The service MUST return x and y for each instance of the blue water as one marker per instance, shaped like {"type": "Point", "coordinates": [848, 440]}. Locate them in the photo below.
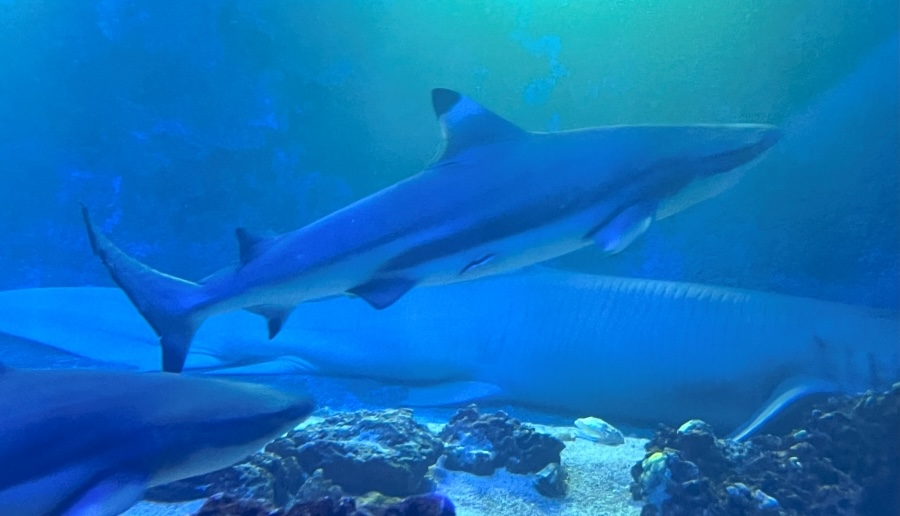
{"type": "Point", "coordinates": [178, 121]}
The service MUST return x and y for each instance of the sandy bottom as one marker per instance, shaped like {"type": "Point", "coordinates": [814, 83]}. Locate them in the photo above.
{"type": "Point", "coordinates": [598, 484]}
{"type": "Point", "coordinates": [599, 477]}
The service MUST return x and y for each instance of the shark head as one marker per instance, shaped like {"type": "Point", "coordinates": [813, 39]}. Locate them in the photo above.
{"type": "Point", "coordinates": [235, 419]}
{"type": "Point", "coordinates": [694, 163]}
{"type": "Point", "coordinates": [92, 441]}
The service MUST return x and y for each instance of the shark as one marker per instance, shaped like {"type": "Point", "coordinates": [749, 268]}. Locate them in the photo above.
{"type": "Point", "coordinates": [629, 350]}
{"type": "Point", "coordinates": [496, 198]}
{"type": "Point", "coordinates": [92, 442]}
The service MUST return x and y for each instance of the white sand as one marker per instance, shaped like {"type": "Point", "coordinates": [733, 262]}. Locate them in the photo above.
{"type": "Point", "coordinates": [598, 485]}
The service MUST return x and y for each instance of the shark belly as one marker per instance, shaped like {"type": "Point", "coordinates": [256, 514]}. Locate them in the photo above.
{"type": "Point", "coordinates": [534, 245]}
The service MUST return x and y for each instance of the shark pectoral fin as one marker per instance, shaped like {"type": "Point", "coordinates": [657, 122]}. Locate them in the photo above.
{"type": "Point", "coordinates": [383, 292]}
{"type": "Point", "coordinates": [113, 494]}
{"type": "Point", "coordinates": [450, 393]}
{"type": "Point", "coordinates": [624, 229]}
{"type": "Point", "coordinates": [275, 316]}
{"type": "Point", "coordinates": [466, 123]}
{"type": "Point", "coordinates": [788, 393]}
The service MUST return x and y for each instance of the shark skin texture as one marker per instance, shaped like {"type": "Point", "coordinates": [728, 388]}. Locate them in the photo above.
{"type": "Point", "coordinates": [628, 350]}
{"type": "Point", "coordinates": [499, 198]}
{"type": "Point", "coordinates": [91, 442]}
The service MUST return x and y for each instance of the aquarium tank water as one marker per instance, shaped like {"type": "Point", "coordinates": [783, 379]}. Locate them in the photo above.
{"type": "Point", "coordinates": [435, 257]}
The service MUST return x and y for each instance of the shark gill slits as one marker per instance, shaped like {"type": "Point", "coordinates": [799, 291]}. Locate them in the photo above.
{"type": "Point", "coordinates": [477, 263]}
{"type": "Point", "coordinates": [443, 100]}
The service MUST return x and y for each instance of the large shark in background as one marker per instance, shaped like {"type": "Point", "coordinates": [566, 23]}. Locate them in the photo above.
{"type": "Point", "coordinates": [92, 442]}
{"type": "Point", "coordinates": [497, 199]}
{"type": "Point", "coordinates": [629, 350]}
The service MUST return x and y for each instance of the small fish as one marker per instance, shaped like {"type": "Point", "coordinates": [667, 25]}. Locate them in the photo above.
{"type": "Point", "coordinates": [92, 442]}
{"type": "Point", "coordinates": [498, 198]}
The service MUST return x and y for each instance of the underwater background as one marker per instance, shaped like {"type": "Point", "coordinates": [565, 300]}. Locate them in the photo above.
{"type": "Point", "coordinates": [178, 121]}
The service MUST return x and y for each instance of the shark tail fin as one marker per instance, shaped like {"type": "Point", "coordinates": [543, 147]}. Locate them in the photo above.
{"type": "Point", "coordinates": [167, 303]}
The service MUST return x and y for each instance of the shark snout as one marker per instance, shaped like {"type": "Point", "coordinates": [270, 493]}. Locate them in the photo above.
{"type": "Point", "coordinates": [763, 136]}
{"type": "Point", "coordinates": [707, 150]}
{"type": "Point", "coordinates": [737, 144]}
{"type": "Point", "coordinates": [285, 409]}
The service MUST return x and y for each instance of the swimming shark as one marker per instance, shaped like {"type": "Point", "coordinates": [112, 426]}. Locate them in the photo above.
{"type": "Point", "coordinates": [628, 350]}
{"type": "Point", "coordinates": [92, 442]}
{"type": "Point", "coordinates": [496, 199]}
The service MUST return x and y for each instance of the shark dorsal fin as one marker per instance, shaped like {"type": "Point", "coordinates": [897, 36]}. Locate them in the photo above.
{"type": "Point", "coordinates": [466, 123]}
{"type": "Point", "coordinates": [250, 244]}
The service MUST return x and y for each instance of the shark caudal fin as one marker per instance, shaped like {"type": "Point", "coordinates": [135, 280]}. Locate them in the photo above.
{"type": "Point", "coordinates": [166, 302]}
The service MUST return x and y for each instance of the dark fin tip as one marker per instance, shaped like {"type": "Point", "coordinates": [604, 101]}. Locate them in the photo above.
{"type": "Point", "coordinates": [443, 100]}
{"type": "Point", "coordinates": [246, 241]}
{"type": "Point", "coordinates": [174, 352]}
{"type": "Point", "coordinates": [274, 325]}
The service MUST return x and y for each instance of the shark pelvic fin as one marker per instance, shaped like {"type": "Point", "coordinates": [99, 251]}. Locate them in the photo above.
{"type": "Point", "coordinates": [166, 302]}
{"type": "Point", "coordinates": [624, 228]}
{"type": "Point", "coordinates": [251, 244]}
{"type": "Point", "coordinates": [382, 293]}
{"type": "Point", "coordinates": [466, 123]}
{"type": "Point", "coordinates": [275, 316]}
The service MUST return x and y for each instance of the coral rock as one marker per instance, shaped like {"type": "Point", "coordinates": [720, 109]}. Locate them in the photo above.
{"type": "Point", "coordinates": [838, 463]}
{"type": "Point", "coordinates": [385, 451]}
{"type": "Point", "coordinates": [480, 444]}
{"type": "Point", "coordinates": [424, 505]}
{"type": "Point", "coordinates": [552, 481]}
{"type": "Point", "coordinates": [231, 505]}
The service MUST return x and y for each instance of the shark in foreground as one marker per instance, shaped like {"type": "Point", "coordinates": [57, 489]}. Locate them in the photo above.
{"type": "Point", "coordinates": [92, 442]}
{"type": "Point", "coordinates": [497, 199]}
{"type": "Point", "coordinates": [628, 350]}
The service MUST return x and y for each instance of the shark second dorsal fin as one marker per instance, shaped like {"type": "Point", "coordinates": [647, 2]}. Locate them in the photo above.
{"type": "Point", "coordinates": [250, 244]}
{"type": "Point", "coordinates": [466, 123]}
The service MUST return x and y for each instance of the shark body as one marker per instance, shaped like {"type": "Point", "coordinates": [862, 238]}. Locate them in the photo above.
{"type": "Point", "coordinates": [497, 199]}
{"type": "Point", "coordinates": [92, 442]}
{"type": "Point", "coordinates": [628, 350]}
